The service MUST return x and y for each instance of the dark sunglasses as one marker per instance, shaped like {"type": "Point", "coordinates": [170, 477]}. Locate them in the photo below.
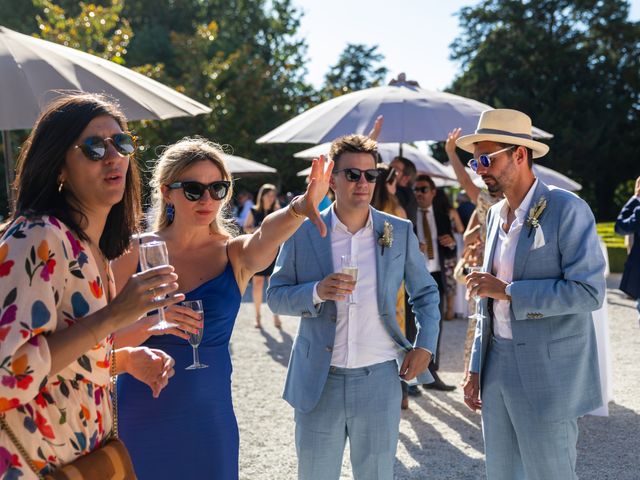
{"type": "Point", "coordinates": [354, 174]}
{"type": "Point", "coordinates": [95, 148]}
{"type": "Point", "coordinates": [193, 191]}
{"type": "Point", "coordinates": [485, 160]}
{"type": "Point", "coordinates": [422, 189]}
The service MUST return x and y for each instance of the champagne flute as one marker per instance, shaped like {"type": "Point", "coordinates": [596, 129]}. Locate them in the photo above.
{"type": "Point", "coordinates": [195, 338]}
{"type": "Point", "coordinates": [349, 267]}
{"type": "Point", "coordinates": [155, 254]}
{"type": "Point", "coordinates": [477, 315]}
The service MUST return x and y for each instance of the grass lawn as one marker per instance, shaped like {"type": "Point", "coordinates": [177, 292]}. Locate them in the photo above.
{"type": "Point", "coordinates": [615, 246]}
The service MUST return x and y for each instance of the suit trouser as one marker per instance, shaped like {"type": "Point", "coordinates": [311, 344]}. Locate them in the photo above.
{"type": "Point", "coordinates": [519, 444]}
{"type": "Point", "coordinates": [362, 404]}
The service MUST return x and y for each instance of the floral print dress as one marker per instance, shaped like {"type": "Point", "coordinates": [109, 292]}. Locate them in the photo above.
{"type": "Point", "coordinates": [49, 281]}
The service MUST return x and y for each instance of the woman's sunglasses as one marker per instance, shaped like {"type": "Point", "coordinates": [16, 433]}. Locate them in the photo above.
{"type": "Point", "coordinates": [354, 174]}
{"type": "Point", "coordinates": [193, 191]}
{"type": "Point", "coordinates": [95, 148]}
{"type": "Point", "coordinates": [485, 160]}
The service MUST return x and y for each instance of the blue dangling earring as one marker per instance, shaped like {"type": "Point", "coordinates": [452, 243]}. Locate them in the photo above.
{"type": "Point", "coordinates": [171, 212]}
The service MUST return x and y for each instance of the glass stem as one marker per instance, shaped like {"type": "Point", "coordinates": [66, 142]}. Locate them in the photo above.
{"type": "Point", "coordinates": [161, 314]}
{"type": "Point", "coordinates": [196, 358]}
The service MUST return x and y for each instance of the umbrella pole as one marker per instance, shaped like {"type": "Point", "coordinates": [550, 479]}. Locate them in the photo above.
{"type": "Point", "coordinates": [8, 167]}
{"type": "Point", "coordinates": [400, 149]}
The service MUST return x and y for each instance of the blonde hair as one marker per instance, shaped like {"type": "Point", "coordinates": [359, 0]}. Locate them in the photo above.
{"type": "Point", "coordinates": [174, 160]}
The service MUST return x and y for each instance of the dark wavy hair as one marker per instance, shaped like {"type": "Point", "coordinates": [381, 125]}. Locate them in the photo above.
{"type": "Point", "coordinates": [43, 156]}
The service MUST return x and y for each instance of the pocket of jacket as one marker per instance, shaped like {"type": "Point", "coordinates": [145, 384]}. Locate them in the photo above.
{"type": "Point", "coordinates": [567, 346]}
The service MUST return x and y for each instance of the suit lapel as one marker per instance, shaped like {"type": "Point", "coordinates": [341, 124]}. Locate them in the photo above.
{"type": "Point", "coordinates": [322, 246]}
{"type": "Point", "coordinates": [382, 261]}
{"type": "Point", "coordinates": [526, 237]}
{"type": "Point", "coordinates": [492, 237]}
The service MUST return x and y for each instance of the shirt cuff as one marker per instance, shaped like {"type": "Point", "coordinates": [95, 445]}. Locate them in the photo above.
{"type": "Point", "coordinates": [507, 289]}
{"type": "Point", "coordinates": [316, 298]}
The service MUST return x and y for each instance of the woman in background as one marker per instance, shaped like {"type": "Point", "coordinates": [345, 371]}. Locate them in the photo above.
{"type": "Point", "coordinates": [267, 204]}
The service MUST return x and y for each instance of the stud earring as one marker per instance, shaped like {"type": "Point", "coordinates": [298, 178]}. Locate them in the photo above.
{"type": "Point", "coordinates": [171, 212]}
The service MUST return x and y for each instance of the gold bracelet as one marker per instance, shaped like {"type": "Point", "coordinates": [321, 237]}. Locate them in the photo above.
{"type": "Point", "coordinates": [292, 209]}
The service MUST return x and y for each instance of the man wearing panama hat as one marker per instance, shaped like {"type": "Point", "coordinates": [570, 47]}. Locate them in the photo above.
{"type": "Point", "coordinates": [534, 364]}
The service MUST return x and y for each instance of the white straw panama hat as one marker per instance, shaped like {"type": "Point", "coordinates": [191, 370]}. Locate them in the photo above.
{"type": "Point", "coordinates": [503, 125]}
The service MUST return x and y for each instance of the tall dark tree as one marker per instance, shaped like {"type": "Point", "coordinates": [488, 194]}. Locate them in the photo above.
{"type": "Point", "coordinates": [574, 66]}
{"type": "Point", "coordinates": [358, 67]}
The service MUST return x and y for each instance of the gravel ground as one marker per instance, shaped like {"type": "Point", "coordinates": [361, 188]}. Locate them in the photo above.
{"type": "Point", "coordinates": [439, 437]}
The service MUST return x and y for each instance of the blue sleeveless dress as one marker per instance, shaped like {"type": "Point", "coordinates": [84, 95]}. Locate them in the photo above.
{"type": "Point", "coordinates": [190, 431]}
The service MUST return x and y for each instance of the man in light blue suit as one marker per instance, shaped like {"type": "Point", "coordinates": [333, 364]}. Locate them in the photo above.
{"type": "Point", "coordinates": [350, 354]}
{"type": "Point", "coordinates": [534, 364]}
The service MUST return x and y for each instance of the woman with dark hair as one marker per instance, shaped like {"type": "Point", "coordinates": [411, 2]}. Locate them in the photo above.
{"type": "Point", "coordinates": [442, 207]}
{"type": "Point", "coordinates": [267, 203]}
{"type": "Point", "coordinates": [191, 431]}
{"type": "Point", "coordinates": [76, 207]}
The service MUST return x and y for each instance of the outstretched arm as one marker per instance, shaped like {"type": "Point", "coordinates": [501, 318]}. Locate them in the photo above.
{"type": "Point", "coordinates": [461, 174]}
{"type": "Point", "coordinates": [255, 252]}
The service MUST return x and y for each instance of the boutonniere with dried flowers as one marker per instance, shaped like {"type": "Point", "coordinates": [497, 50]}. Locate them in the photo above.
{"type": "Point", "coordinates": [533, 220]}
{"type": "Point", "coordinates": [386, 239]}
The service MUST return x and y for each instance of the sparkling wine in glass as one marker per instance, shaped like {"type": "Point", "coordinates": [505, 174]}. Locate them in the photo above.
{"type": "Point", "coordinates": [349, 267]}
{"type": "Point", "coordinates": [154, 254]}
{"type": "Point", "coordinates": [195, 338]}
{"type": "Point", "coordinates": [477, 315]}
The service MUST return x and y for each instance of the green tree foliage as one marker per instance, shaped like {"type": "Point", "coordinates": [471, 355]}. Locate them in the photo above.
{"type": "Point", "coordinates": [574, 66]}
{"type": "Point", "coordinates": [358, 67]}
{"type": "Point", "coordinates": [242, 58]}
{"type": "Point", "coordinates": [95, 29]}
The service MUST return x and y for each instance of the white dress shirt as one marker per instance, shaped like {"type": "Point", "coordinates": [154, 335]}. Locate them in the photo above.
{"type": "Point", "coordinates": [433, 264]}
{"type": "Point", "coordinates": [361, 337]}
{"type": "Point", "coordinates": [503, 259]}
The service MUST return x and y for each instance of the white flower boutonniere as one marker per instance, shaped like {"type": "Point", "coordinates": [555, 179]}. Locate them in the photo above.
{"type": "Point", "coordinates": [386, 239]}
{"type": "Point", "coordinates": [533, 220]}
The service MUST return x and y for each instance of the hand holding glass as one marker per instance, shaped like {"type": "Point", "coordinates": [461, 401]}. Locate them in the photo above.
{"type": "Point", "coordinates": [349, 267]}
{"type": "Point", "coordinates": [154, 254]}
{"type": "Point", "coordinates": [477, 315]}
{"type": "Point", "coordinates": [195, 338]}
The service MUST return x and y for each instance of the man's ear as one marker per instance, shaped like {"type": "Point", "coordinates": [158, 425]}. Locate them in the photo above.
{"type": "Point", "coordinates": [332, 183]}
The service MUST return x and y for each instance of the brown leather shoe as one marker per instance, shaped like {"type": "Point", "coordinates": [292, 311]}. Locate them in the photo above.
{"type": "Point", "coordinates": [404, 405]}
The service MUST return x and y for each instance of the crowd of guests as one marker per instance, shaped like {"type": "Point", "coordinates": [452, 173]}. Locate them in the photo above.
{"type": "Point", "coordinates": [80, 305]}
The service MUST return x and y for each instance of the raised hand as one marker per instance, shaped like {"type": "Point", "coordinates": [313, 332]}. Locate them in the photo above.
{"type": "Point", "coordinates": [450, 145]}
{"type": "Point", "coordinates": [316, 190]}
{"type": "Point", "coordinates": [377, 127]}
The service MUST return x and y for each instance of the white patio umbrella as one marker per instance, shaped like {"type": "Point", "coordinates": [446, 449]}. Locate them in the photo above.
{"type": "Point", "coordinates": [33, 71]}
{"type": "Point", "coordinates": [388, 151]}
{"type": "Point", "coordinates": [239, 165]}
{"type": "Point", "coordinates": [546, 174]}
{"type": "Point", "coordinates": [410, 114]}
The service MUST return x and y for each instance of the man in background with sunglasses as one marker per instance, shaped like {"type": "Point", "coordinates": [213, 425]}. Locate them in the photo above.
{"type": "Point", "coordinates": [534, 358]}
{"type": "Point", "coordinates": [348, 358]}
{"type": "Point", "coordinates": [435, 235]}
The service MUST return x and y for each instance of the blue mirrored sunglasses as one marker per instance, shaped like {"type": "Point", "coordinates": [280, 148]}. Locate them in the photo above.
{"type": "Point", "coordinates": [485, 159]}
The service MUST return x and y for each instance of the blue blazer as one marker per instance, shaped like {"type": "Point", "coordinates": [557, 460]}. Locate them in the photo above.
{"type": "Point", "coordinates": [628, 223]}
{"type": "Point", "coordinates": [555, 288]}
{"type": "Point", "coordinates": [305, 259]}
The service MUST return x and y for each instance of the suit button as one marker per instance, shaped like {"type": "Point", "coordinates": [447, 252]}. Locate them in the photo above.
{"type": "Point", "coordinates": [329, 349]}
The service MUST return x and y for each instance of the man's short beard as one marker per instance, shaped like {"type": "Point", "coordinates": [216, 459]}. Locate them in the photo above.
{"type": "Point", "coordinates": [495, 188]}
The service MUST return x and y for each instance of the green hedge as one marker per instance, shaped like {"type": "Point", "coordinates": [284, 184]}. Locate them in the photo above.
{"type": "Point", "coordinates": [615, 246]}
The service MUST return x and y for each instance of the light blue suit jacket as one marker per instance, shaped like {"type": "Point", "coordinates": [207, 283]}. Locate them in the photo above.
{"type": "Point", "coordinates": [555, 288]}
{"type": "Point", "coordinates": [305, 259]}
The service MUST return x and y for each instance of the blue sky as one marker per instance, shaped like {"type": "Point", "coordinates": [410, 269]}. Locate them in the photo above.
{"type": "Point", "coordinates": [413, 35]}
